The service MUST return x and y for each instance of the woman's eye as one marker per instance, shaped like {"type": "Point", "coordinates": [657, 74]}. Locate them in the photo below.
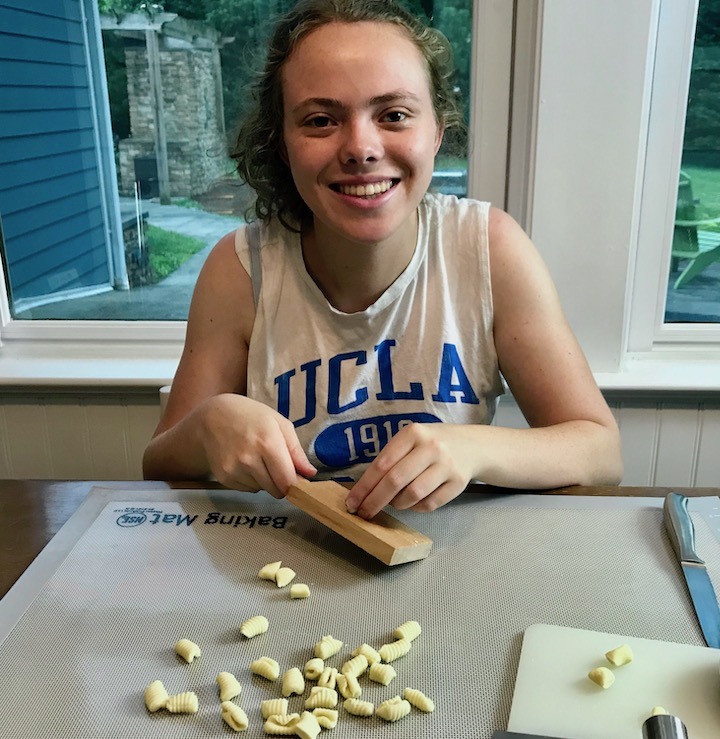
{"type": "Point", "coordinates": [395, 116]}
{"type": "Point", "coordinates": [319, 121]}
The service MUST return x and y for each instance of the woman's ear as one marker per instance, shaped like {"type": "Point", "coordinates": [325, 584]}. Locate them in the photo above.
{"type": "Point", "coordinates": [439, 139]}
{"type": "Point", "coordinates": [283, 152]}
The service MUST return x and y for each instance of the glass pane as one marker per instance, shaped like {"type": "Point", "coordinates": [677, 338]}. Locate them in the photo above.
{"type": "Point", "coordinates": [173, 213]}
{"type": "Point", "coordinates": [693, 294]}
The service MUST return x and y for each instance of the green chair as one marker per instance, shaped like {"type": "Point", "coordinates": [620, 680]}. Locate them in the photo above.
{"type": "Point", "coordinates": [696, 247]}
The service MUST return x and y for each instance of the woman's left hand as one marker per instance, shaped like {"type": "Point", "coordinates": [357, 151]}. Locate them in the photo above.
{"type": "Point", "coordinates": [421, 468]}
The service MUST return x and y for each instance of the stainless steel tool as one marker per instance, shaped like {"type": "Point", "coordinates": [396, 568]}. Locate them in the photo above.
{"type": "Point", "coordinates": [682, 535]}
{"type": "Point", "coordinates": [664, 727]}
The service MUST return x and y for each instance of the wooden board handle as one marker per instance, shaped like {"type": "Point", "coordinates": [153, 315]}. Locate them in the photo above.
{"type": "Point", "coordinates": [383, 536]}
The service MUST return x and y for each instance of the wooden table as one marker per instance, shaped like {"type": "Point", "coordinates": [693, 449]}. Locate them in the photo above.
{"type": "Point", "coordinates": [33, 511]}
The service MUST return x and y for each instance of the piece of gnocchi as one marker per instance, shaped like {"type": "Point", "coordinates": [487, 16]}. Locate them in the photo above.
{"type": "Point", "coordinates": [321, 698]}
{"type": "Point", "coordinates": [359, 708]}
{"type": "Point", "coordinates": [308, 726]}
{"type": "Point", "coordinates": [274, 707]}
{"type": "Point", "coordinates": [269, 571]}
{"type": "Point", "coordinates": [187, 649]}
{"type": "Point", "coordinates": [602, 677]}
{"type": "Point", "coordinates": [370, 654]}
{"type": "Point", "coordinates": [619, 656]}
{"type": "Point", "coordinates": [382, 673]}
{"type": "Point", "coordinates": [229, 686]}
{"type": "Point", "coordinates": [299, 590]}
{"type": "Point", "coordinates": [410, 630]}
{"type": "Point", "coordinates": [355, 666]}
{"type": "Point", "coordinates": [155, 696]}
{"type": "Point", "coordinates": [418, 699]}
{"type": "Point", "coordinates": [266, 667]}
{"type": "Point", "coordinates": [284, 576]}
{"type": "Point", "coordinates": [314, 668]}
{"type": "Point", "coordinates": [328, 678]}
{"type": "Point", "coordinates": [393, 709]}
{"type": "Point", "coordinates": [348, 685]}
{"type": "Point", "coordinates": [391, 652]}
{"type": "Point", "coordinates": [234, 716]}
{"type": "Point", "coordinates": [281, 723]}
{"type": "Point", "coordinates": [254, 626]}
{"type": "Point", "coordinates": [182, 703]}
{"type": "Point", "coordinates": [293, 682]}
{"type": "Point", "coordinates": [327, 647]}
{"type": "Point", "coordinates": [326, 717]}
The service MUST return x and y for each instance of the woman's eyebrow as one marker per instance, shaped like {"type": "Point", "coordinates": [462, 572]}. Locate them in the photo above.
{"type": "Point", "coordinates": [384, 99]}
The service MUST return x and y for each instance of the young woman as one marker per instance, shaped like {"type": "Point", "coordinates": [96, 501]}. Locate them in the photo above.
{"type": "Point", "coordinates": [359, 328]}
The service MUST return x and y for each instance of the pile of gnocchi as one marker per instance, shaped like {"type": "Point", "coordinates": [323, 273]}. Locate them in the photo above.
{"type": "Point", "coordinates": [321, 704]}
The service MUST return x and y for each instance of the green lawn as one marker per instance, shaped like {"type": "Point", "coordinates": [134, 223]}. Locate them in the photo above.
{"type": "Point", "coordinates": [169, 250]}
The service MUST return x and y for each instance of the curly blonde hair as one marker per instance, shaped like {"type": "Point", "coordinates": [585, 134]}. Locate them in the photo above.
{"type": "Point", "coordinates": [259, 146]}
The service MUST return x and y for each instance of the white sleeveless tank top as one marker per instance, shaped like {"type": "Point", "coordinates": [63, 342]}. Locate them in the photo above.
{"type": "Point", "coordinates": [422, 353]}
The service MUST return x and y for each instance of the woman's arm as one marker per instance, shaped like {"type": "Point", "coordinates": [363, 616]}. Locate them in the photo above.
{"type": "Point", "coordinates": [209, 427]}
{"type": "Point", "coordinates": [573, 437]}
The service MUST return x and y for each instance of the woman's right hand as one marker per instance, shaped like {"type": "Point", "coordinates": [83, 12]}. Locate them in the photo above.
{"type": "Point", "coordinates": [249, 446]}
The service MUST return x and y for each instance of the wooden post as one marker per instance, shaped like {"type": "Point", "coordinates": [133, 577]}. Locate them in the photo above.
{"type": "Point", "coordinates": [156, 92]}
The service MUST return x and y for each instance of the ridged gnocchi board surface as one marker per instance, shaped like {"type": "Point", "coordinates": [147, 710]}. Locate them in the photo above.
{"type": "Point", "coordinates": [554, 696]}
{"type": "Point", "coordinates": [386, 538]}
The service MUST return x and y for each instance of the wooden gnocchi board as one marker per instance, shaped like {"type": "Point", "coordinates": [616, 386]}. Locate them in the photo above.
{"type": "Point", "coordinates": [554, 697]}
{"type": "Point", "coordinates": [384, 537]}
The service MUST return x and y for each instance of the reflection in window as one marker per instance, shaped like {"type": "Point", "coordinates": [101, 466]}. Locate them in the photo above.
{"type": "Point", "coordinates": [176, 74]}
{"type": "Point", "coordinates": [693, 294]}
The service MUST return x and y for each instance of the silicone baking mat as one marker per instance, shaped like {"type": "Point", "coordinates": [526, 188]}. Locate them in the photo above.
{"type": "Point", "coordinates": [95, 618]}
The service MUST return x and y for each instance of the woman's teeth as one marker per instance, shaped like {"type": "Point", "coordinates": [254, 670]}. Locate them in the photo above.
{"type": "Point", "coordinates": [364, 191]}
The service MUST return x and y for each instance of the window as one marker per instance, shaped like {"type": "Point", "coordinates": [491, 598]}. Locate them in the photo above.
{"type": "Point", "coordinates": [90, 236]}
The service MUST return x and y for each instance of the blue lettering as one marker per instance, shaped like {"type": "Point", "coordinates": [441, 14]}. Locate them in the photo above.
{"type": "Point", "coordinates": [451, 364]}
{"type": "Point", "coordinates": [387, 390]}
{"type": "Point", "coordinates": [283, 384]}
{"type": "Point", "coordinates": [334, 380]}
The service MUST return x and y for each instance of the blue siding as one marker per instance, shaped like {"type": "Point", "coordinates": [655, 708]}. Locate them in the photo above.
{"type": "Point", "coordinates": [50, 199]}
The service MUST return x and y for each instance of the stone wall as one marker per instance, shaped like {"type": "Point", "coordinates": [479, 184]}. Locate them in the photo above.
{"type": "Point", "coordinates": [196, 147]}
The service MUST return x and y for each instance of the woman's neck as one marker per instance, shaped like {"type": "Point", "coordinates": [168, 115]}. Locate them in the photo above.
{"type": "Point", "coordinates": [352, 275]}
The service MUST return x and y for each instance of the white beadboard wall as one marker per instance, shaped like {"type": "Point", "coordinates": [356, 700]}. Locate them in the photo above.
{"type": "Point", "coordinates": [85, 435]}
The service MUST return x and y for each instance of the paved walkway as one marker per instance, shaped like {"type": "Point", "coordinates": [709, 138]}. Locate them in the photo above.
{"type": "Point", "coordinates": [169, 299]}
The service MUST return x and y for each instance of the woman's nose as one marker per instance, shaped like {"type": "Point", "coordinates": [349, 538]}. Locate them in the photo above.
{"type": "Point", "coordinates": [361, 143]}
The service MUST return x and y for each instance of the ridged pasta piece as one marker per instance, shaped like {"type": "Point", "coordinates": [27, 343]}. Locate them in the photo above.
{"type": "Point", "coordinates": [327, 647]}
{"type": "Point", "coordinates": [371, 654]}
{"type": "Point", "coordinates": [299, 590]}
{"type": "Point", "coordinates": [284, 576]}
{"type": "Point", "coordinates": [155, 696]}
{"type": "Point", "coordinates": [229, 686]}
{"type": "Point", "coordinates": [348, 685]}
{"type": "Point", "coordinates": [269, 571]}
{"type": "Point", "coordinates": [314, 668]}
{"type": "Point", "coordinates": [234, 716]}
{"type": "Point", "coordinates": [326, 717]}
{"type": "Point", "coordinates": [418, 699]}
{"type": "Point", "coordinates": [254, 626]}
{"type": "Point", "coordinates": [307, 727]}
{"type": "Point", "coordinates": [283, 723]}
{"type": "Point", "coordinates": [399, 648]}
{"type": "Point", "coordinates": [393, 709]}
{"type": "Point", "coordinates": [266, 667]}
{"type": "Point", "coordinates": [381, 673]}
{"type": "Point", "coordinates": [355, 666]}
{"type": "Point", "coordinates": [328, 678]}
{"type": "Point", "coordinates": [410, 630]}
{"type": "Point", "coordinates": [321, 698]}
{"type": "Point", "coordinates": [358, 707]}
{"type": "Point", "coordinates": [274, 707]}
{"type": "Point", "coordinates": [182, 703]}
{"type": "Point", "coordinates": [187, 649]}
{"type": "Point", "coordinates": [292, 682]}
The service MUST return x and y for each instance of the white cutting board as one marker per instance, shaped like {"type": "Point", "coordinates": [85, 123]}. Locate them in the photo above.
{"type": "Point", "coordinates": [554, 697]}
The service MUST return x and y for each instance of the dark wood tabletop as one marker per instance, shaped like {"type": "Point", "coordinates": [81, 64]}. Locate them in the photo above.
{"type": "Point", "coordinates": [33, 511]}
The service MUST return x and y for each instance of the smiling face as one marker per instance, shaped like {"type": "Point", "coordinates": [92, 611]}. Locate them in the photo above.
{"type": "Point", "coordinates": [359, 130]}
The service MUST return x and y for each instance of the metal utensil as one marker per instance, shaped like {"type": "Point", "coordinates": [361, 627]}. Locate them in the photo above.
{"type": "Point", "coordinates": [664, 727]}
{"type": "Point", "coordinates": [682, 536]}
